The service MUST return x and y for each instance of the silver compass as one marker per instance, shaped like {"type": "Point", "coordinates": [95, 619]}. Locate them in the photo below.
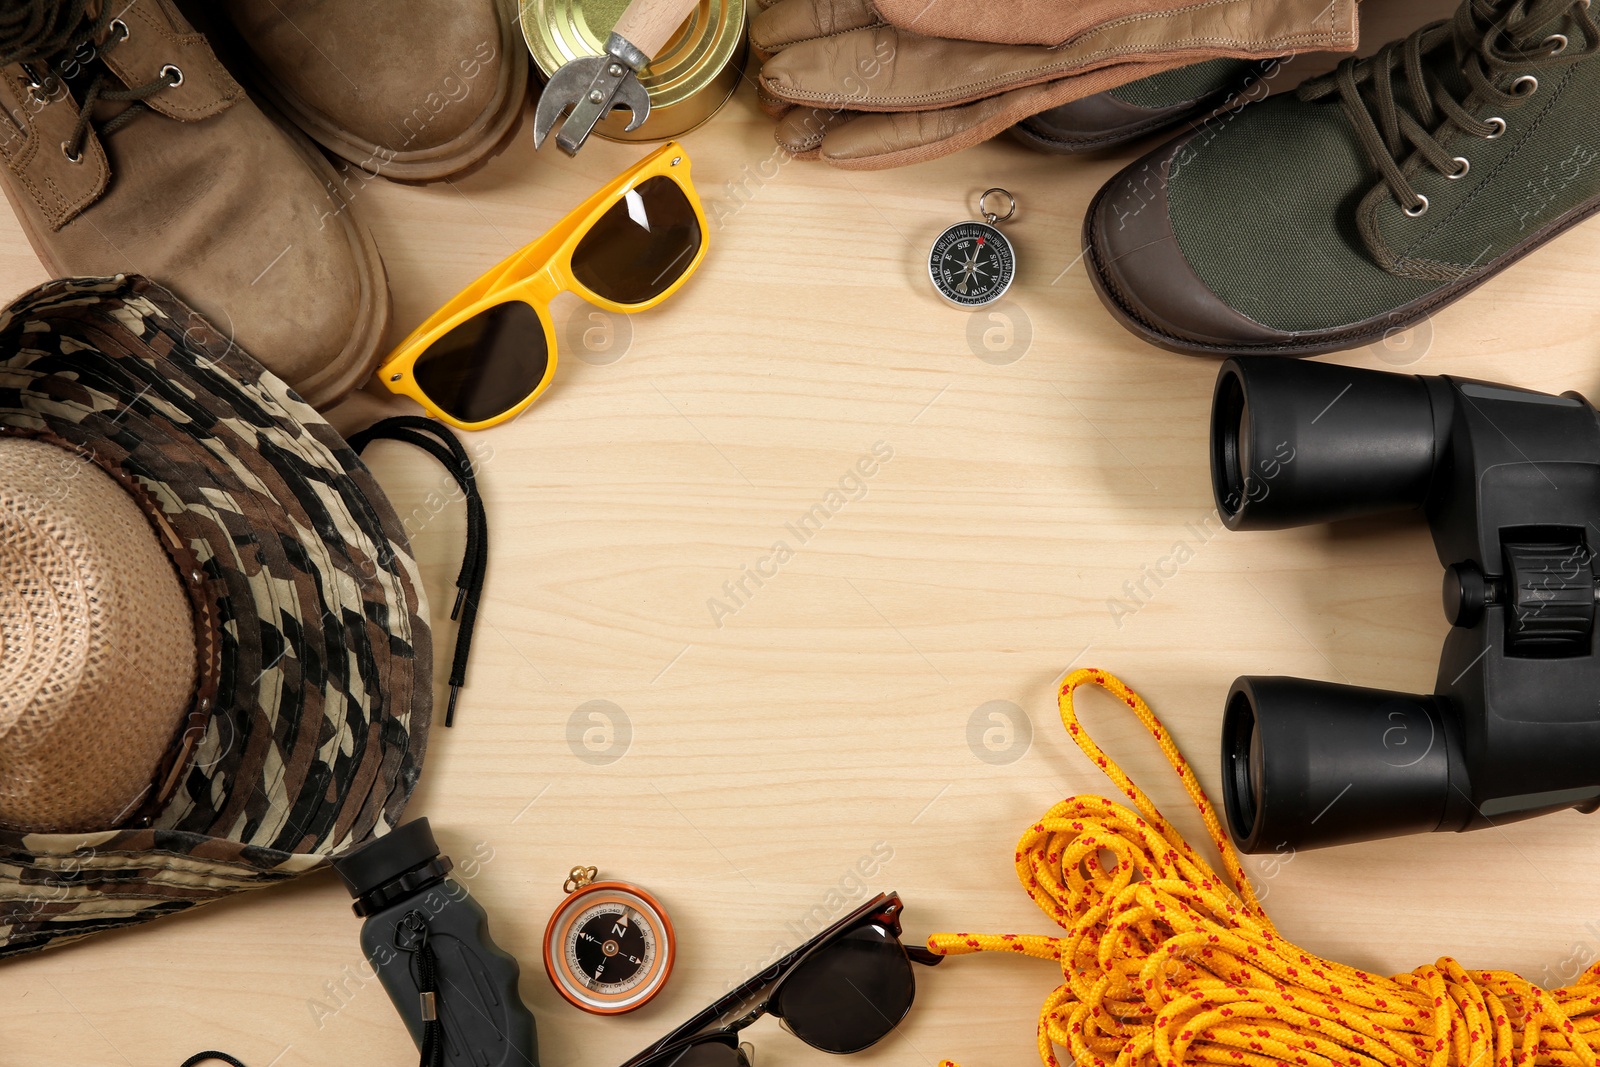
{"type": "Point", "coordinates": [971, 263]}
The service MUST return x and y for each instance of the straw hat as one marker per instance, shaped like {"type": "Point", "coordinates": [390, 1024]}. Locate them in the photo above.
{"type": "Point", "coordinates": [92, 618]}
{"type": "Point", "coordinates": [215, 669]}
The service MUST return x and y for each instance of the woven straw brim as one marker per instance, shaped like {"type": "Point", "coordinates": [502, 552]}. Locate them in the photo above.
{"type": "Point", "coordinates": [323, 687]}
{"type": "Point", "coordinates": [98, 650]}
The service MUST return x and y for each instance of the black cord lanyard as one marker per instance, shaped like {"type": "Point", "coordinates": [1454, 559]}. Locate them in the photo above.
{"type": "Point", "coordinates": [411, 935]}
{"type": "Point", "coordinates": [448, 450]}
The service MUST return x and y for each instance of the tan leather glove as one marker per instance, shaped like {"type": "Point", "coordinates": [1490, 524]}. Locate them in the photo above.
{"type": "Point", "coordinates": [863, 92]}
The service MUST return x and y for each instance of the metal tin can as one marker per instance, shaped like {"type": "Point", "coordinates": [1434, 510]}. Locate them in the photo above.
{"type": "Point", "coordinates": [695, 74]}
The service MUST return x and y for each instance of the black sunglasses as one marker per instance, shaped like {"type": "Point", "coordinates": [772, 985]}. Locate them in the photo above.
{"type": "Point", "coordinates": [842, 991]}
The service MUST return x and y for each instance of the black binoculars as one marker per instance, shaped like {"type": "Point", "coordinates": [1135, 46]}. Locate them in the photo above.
{"type": "Point", "coordinates": [1509, 481]}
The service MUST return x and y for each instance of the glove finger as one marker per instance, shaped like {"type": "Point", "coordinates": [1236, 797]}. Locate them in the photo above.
{"type": "Point", "coordinates": [884, 68]}
{"type": "Point", "coordinates": [771, 105]}
{"type": "Point", "coordinates": [788, 22]}
{"type": "Point", "coordinates": [1313, 23]}
{"type": "Point", "coordinates": [881, 140]}
{"type": "Point", "coordinates": [880, 68]}
{"type": "Point", "coordinates": [802, 131]}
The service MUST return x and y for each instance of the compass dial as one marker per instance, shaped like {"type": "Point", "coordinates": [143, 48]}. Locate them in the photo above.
{"type": "Point", "coordinates": [609, 948]}
{"type": "Point", "coordinates": [971, 264]}
{"type": "Point", "coordinates": [611, 945]}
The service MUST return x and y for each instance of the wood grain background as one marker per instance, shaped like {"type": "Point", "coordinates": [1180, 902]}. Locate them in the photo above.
{"type": "Point", "coordinates": [1041, 459]}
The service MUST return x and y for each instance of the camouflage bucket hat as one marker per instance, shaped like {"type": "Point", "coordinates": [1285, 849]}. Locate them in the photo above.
{"type": "Point", "coordinates": [309, 721]}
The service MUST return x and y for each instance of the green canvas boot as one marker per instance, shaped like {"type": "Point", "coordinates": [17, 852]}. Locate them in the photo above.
{"type": "Point", "coordinates": [1146, 106]}
{"type": "Point", "coordinates": [1327, 218]}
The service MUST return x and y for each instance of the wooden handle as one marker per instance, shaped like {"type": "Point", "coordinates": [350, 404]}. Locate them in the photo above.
{"type": "Point", "coordinates": [648, 24]}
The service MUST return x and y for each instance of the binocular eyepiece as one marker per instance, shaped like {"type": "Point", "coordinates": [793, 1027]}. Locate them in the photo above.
{"type": "Point", "coordinates": [1509, 483]}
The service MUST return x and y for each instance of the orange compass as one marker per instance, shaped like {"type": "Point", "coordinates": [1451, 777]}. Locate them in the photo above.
{"type": "Point", "coordinates": [609, 947]}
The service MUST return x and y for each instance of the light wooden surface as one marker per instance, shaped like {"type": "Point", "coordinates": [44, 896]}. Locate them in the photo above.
{"type": "Point", "coordinates": [831, 712]}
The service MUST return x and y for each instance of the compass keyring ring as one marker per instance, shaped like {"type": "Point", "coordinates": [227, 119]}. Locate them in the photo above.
{"type": "Point", "coordinates": [990, 217]}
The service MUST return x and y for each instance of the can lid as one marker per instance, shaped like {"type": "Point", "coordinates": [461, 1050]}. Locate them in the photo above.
{"type": "Point", "coordinates": [384, 859]}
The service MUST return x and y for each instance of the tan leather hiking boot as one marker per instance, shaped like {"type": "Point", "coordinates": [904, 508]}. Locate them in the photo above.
{"type": "Point", "coordinates": [128, 148]}
{"type": "Point", "coordinates": [415, 90]}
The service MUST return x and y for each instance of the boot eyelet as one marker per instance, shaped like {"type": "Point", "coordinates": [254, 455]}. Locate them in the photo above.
{"type": "Point", "coordinates": [174, 76]}
{"type": "Point", "coordinates": [1463, 165]}
{"type": "Point", "coordinates": [1558, 43]}
{"type": "Point", "coordinates": [73, 159]}
{"type": "Point", "coordinates": [1525, 86]}
{"type": "Point", "coordinates": [1499, 125]}
{"type": "Point", "coordinates": [1419, 210]}
{"type": "Point", "coordinates": [121, 28]}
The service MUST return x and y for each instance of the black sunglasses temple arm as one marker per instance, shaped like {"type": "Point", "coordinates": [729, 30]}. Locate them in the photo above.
{"type": "Point", "coordinates": [740, 996]}
{"type": "Point", "coordinates": [734, 998]}
{"type": "Point", "coordinates": [774, 973]}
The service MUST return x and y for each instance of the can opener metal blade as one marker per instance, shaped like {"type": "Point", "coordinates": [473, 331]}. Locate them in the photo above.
{"type": "Point", "coordinates": [590, 86]}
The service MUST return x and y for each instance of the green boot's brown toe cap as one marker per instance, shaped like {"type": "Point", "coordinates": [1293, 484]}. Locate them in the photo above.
{"type": "Point", "coordinates": [1140, 272]}
{"type": "Point", "coordinates": [1354, 207]}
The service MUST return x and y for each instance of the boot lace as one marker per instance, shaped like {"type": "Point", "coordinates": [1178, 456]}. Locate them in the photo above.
{"type": "Point", "coordinates": [1499, 47]}
{"type": "Point", "coordinates": [52, 41]}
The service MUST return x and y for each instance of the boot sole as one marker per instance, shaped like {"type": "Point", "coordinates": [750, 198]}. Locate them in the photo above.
{"type": "Point", "coordinates": [1319, 342]}
{"type": "Point", "coordinates": [486, 137]}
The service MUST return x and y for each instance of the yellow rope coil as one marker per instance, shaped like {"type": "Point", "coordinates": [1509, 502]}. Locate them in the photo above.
{"type": "Point", "coordinates": [1165, 964]}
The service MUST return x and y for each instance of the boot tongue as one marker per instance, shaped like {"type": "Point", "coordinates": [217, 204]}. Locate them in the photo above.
{"type": "Point", "coordinates": [1518, 31]}
{"type": "Point", "coordinates": [78, 68]}
{"type": "Point", "coordinates": [78, 42]}
{"type": "Point", "coordinates": [1525, 35]}
{"type": "Point", "coordinates": [1443, 65]}
{"type": "Point", "coordinates": [1508, 21]}
{"type": "Point", "coordinates": [78, 71]}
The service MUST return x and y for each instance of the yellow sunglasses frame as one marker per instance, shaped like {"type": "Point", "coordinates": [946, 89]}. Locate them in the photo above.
{"type": "Point", "coordinates": [535, 274]}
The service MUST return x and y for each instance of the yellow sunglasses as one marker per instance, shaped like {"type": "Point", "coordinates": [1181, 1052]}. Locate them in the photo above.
{"type": "Point", "coordinates": [487, 354]}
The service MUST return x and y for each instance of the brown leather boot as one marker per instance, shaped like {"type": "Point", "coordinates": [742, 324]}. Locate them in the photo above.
{"type": "Point", "coordinates": [128, 148]}
{"type": "Point", "coordinates": [415, 90]}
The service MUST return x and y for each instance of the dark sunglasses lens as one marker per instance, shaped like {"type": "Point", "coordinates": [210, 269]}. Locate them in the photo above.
{"type": "Point", "coordinates": [718, 1052]}
{"type": "Point", "coordinates": [487, 365]}
{"type": "Point", "coordinates": [641, 246]}
{"type": "Point", "coordinates": [849, 995]}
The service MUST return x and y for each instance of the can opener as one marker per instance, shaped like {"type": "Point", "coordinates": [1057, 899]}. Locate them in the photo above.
{"type": "Point", "coordinates": [590, 86]}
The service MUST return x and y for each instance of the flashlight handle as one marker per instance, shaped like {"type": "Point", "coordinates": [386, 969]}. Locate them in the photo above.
{"type": "Point", "coordinates": [483, 1020]}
